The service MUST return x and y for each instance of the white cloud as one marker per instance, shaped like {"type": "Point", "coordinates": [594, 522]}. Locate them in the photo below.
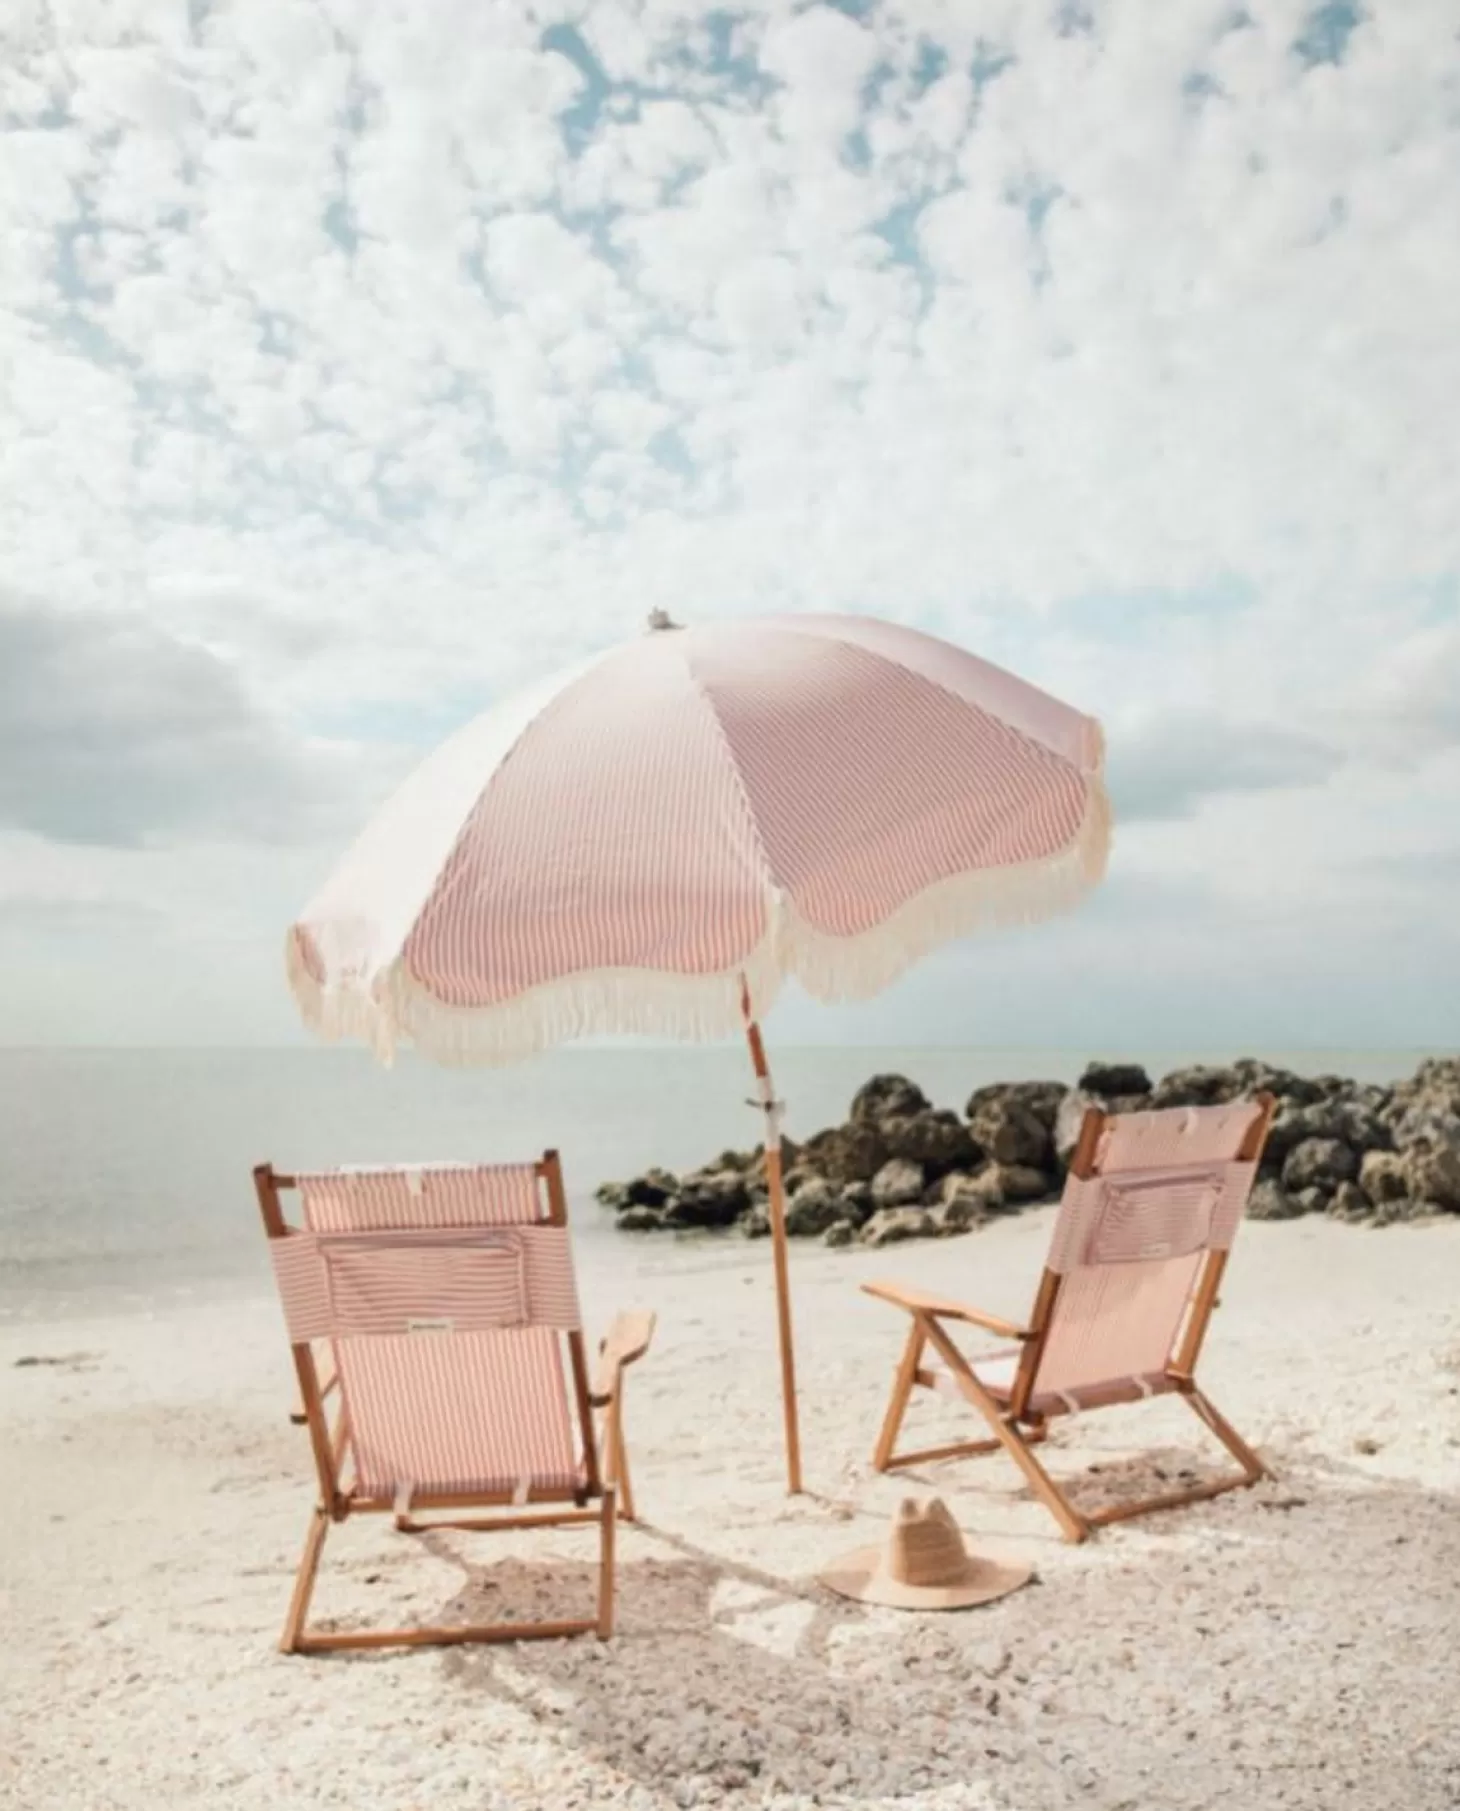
{"type": "Point", "coordinates": [390, 357]}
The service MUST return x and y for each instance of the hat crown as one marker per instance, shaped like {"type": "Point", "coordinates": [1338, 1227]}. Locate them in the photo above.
{"type": "Point", "coordinates": [925, 1546]}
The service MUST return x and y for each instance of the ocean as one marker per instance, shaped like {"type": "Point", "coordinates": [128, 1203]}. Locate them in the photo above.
{"type": "Point", "coordinates": [125, 1174]}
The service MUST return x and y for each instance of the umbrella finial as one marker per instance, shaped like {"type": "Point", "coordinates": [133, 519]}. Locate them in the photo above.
{"type": "Point", "coordinates": [660, 620]}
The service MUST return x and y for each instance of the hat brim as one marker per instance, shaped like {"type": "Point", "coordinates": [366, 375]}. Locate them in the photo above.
{"type": "Point", "coordinates": [860, 1576]}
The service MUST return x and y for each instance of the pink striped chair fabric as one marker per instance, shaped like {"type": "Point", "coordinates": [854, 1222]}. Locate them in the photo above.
{"type": "Point", "coordinates": [445, 1296]}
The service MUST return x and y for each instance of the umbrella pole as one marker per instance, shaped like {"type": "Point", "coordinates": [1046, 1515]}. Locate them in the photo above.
{"type": "Point", "coordinates": [775, 1187]}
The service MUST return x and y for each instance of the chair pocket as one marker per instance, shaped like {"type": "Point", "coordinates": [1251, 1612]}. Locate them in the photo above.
{"type": "Point", "coordinates": [418, 1286]}
{"type": "Point", "coordinates": [1158, 1217]}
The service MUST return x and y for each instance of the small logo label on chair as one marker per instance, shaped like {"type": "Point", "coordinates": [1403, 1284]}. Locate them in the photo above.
{"type": "Point", "coordinates": [440, 1324]}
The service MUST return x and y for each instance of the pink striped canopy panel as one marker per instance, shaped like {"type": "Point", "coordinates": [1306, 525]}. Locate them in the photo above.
{"type": "Point", "coordinates": [445, 1296]}
{"type": "Point", "coordinates": [821, 796]}
{"type": "Point", "coordinates": [1128, 1244]}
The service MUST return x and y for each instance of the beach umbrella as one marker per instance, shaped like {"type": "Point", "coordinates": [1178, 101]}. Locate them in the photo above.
{"type": "Point", "coordinates": [654, 841]}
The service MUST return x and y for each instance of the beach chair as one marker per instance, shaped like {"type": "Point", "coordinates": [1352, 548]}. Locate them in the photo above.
{"type": "Point", "coordinates": [443, 1300]}
{"type": "Point", "coordinates": [1150, 1208]}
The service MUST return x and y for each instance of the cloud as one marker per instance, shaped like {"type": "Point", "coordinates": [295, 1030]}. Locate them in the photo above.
{"type": "Point", "coordinates": [1166, 766]}
{"type": "Point", "coordinates": [1410, 698]}
{"type": "Point", "coordinates": [44, 918]}
{"type": "Point", "coordinates": [112, 732]}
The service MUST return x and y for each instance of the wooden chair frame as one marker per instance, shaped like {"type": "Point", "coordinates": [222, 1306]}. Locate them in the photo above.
{"type": "Point", "coordinates": [605, 1497]}
{"type": "Point", "coordinates": [1017, 1428]}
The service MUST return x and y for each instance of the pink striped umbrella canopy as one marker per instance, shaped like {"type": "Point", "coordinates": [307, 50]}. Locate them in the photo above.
{"type": "Point", "coordinates": [653, 841]}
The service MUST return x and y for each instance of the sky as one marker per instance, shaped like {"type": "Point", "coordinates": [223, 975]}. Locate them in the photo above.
{"type": "Point", "coordinates": [361, 362]}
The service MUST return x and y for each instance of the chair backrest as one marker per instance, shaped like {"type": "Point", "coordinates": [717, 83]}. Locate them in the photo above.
{"type": "Point", "coordinates": [448, 1294]}
{"type": "Point", "coordinates": [1151, 1206]}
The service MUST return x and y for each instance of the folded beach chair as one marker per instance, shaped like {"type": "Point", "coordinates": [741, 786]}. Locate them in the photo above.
{"type": "Point", "coordinates": [1150, 1209]}
{"type": "Point", "coordinates": [443, 1300]}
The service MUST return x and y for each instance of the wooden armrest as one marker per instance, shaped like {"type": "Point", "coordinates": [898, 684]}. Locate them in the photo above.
{"type": "Point", "coordinates": [627, 1339]}
{"type": "Point", "coordinates": [918, 1301]}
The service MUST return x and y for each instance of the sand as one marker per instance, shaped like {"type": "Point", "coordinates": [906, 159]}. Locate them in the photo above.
{"type": "Point", "coordinates": [1293, 1645]}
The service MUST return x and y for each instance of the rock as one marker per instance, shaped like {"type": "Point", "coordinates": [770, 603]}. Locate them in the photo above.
{"type": "Point", "coordinates": [852, 1153]}
{"type": "Point", "coordinates": [711, 1198]}
{"type": "Point", "coordinates": [961, 1183]}
{"type": "Point", "coordinates": [1434, 1176]}
{"type": "Point", "coordinates": [1426, 1108]}
{"type": "Point", "coordinates": [814, 1207]}
{"type": "Point", "coordinates": [1201, 1085]}
{"type": "Point", "coordinates": [1310, 1200]}
{"type": "Point", "coordinates": [652, 1189]}
{"type": "Point", "coordinates": [1009, 1132]}
{"type": "Point", "coordinates": [890, 1225]}
{"type": "Point", "coordinates": [756, 1224]}
{"type": "Point", "coordinates": [1109, 1080]}
{"type": "Point", "coordinates": [1042, 1099]}
{"type": "Point", "coordinates": [612, 1194]}
{"type": "Point", "coordinates": [1398, 1213]}
{"type": "Point", "coordinates": [1071, 1117]}
{"type": "Point", "coordinates": [1364, 1127]}
{"type": "Point", "coordinates": [1019, 1182]}
{"type": "Point", "coordinates": [841, 1232]}
{"type": "Point", "coordinates": [997, 1186]}
{"type": "Point", "coordinates": [857, 1202]}
{"type": "Point", "coordinates": [1255, 1077]}
{"type": "Point", "coordinates": [961, 1212]}
{"type": "Point", "coordinates": [938, 1141]}
{"type": "Point", "coordinates": [888, 1097]}
{"type": "Point", "coordinates": [1295, 1125]}
{"type": "Point", "coordinates": [897, 1184]}
{"type": "Point", "coordinates": [1436, 1081]}
{"type": "Point", "coordinates": [1269, 1200]}
{"type": "Point", "coordinates": [638, 1218]}
{"type": "Point", "coordinates": [1319, 1163]}
{"type": "Point", "coordinates": [1425, 1125]}
{"type": "Point", "coordinates": [1383, 1177]}
{"type": "Point", "coordinates": [1350, 1203]}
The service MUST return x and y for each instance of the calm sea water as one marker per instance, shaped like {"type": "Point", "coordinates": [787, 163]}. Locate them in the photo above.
{"type": "Point", "coordinates": [124, 1175]}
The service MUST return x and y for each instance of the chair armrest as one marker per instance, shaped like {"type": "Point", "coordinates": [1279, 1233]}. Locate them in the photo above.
{"type": "Point", "coordinates": [627, 1339]}
{"type": "Point", "coordinates": [918, 1301]}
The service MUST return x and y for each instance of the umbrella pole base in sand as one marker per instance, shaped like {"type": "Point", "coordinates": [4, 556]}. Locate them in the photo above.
{"type": "Point", "coordinates": [775, 1186]}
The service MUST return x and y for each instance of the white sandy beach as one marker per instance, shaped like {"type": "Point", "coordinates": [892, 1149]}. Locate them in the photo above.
{"type": "Point", "coordinates": [1294, 1645]}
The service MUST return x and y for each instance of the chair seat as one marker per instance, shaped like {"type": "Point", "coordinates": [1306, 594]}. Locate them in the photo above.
{"type": "Point", "coordinates": [996, 1373]}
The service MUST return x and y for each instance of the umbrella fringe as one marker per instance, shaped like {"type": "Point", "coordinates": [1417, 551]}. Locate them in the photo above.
{"type": "Point", "coordinates": [396, 1009]}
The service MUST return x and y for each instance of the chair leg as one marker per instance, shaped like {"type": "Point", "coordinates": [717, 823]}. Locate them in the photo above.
{"type": "Point", "coordinates": [616, 1458]}
{"type": "Point", "coordinates": [606, 1565]}
{"type": "Point", "coordinates": [298, 1639]}
{"type": "Point", "coordinates": [621, 1477]}
{"type": "Point", "coordinates": [1206, 1411]}
{"type": "Point", "coordinates": [902, 1388]}
{"type": "Point", "coordinates": [1252, 1469]}
{"type": "Point", "coordinates": [1074, 1526]}
{"type": "Point", "coordinates": [304, 1582]}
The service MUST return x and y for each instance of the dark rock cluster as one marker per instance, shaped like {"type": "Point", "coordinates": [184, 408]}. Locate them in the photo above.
{"type": "Point", "coordinates": [901, 1168]}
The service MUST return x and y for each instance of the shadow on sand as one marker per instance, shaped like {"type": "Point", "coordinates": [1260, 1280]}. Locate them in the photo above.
{"type": "Point", "coordinates": [1264, 1646]}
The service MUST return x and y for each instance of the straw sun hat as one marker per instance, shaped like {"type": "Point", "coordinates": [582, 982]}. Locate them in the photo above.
{"type": "Point", "coordinates": [924, 1565]}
